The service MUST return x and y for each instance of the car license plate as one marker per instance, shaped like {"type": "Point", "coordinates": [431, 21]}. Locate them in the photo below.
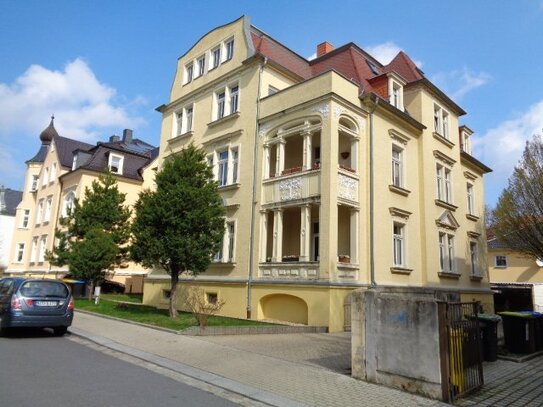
{"type": "Point", "coordinates": [46, 303]}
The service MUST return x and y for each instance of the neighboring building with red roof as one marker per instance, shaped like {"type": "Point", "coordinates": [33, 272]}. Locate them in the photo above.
{"type": "Point", "coordinates": [59, 173]}
{"type": "Point", "coordinates": [337, 173]}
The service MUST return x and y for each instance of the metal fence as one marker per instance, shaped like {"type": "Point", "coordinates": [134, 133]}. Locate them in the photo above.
{"type": "Point", "coordinates": [463, 349]}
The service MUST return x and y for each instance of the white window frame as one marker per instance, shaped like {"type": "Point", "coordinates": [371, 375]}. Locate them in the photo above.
{"type": "Point", "coordinates": [215, 57]}
{"type": "Point", "coordinates": [48, 208]}
{"type": "Point", "coordinates": [225, 170]}
{"type": "Point", "coordinates": [120, 166]}
{"type": "Point", "coordinates": [34, 183]}
{"type": "Point", "coordinates": [447, 263]}
{"type": "Point", "coordinates": [230, 241]}
{"type": "Point", "coordinates": [19, 253]}
{"type": "Point", "coordinates": [230, 104]}
{"type": "Point", "coordinates": [397, 166]}
{"type": "Point", "coordinates": [229, 49]}
{"type": "Point", "coordinates": [466, 142]}
{"type": "Point", "coordinates": [45, 177]}
{"type": "Point", "coordinates": [234, 98]}
{"type": "Point", "coordinates": [34, 250]}
{"type": "Point", "coordinates": [222, 167]}
{"type": "Point", "coordinates": [441, 121]}
{"type": "Point", "coordinates": [53, 174]}
{"type": "Point", "coordinates": [39, 213]}
{"type": "Point", "coordinates": [444, 183]}
{"type": "Point", "coordinates": [68, 203]}
{"type": "Point", "coordinates": [43, 244]}
{"type": "Point", "coordinates": [398, 244]}
{"type": "Point", "coordinates": [501, 257]}
{"type": "Point", "coordinates": [201, 65]}
{"type": "Point", "coordinates": [25, 219]}
{"type": "Point", "coordinates": [221, 104]}
{"type": "Point", "coordinates": [184, 120]}
{"type": "Point", "coordinates": [396, 94]}
{"type": "Point", "coordinates": [189, 72]}
{"type": "Point", "coordinates": [470, 193]}
{"type": "Point", "coordinates": [475, 270]}
{"type": "Point", "coordinates": [74, 162]}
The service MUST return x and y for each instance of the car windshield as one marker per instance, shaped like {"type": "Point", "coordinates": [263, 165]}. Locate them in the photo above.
{"type": "Point", "coordinates": [43, 289]}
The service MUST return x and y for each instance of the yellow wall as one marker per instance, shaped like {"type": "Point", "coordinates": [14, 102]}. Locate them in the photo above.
{"type": "Point", "coordinates": [520, 268]}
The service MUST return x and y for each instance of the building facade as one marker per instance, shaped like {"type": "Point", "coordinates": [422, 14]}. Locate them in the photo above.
{"type": "Point", "coordinates": [9, 199]}
{"type": "Point", "coordinates": [336, 173]}
{"type": "Point", "coordinates": [515, 278]}
{"type": "Point", "coordinates": [56, 176]}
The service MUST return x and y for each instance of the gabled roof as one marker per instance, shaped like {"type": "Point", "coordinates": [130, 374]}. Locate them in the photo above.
{"type": "Point", "coordinates": [9, 199]}
{"type": "Point", "coordinates": [65, 148]}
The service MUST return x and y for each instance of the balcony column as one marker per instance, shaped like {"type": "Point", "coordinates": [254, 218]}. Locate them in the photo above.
{"type": "Point", "coordinates": [305, 232]}
{"type": "Point", "coordinates": [266, 166]}
{"type": "Point", "coordinates": [280, 157]}
{"type": "Point", "coordinates": [307, 150]}
{"type": "Point", "coordinates": [354, 235]}
{"type": "Point", "coordinates": [277, 255]}
{"type": "Point", "coordinates": [263, 235]}
{"type": "Point", "coordinates": [354, 154]}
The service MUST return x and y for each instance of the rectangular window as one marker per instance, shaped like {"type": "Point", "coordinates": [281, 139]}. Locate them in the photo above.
{"type": "Point", "coordinates": [473, 259]}
{"type": "Point", "coordinates": [20, 253]}
{"type": "Point", "coordinates": [26, 218]}
{"type": "Point", "coordinates": [466, 142]}
{"type": "Point", "coordinates": [223, 168]}
{"type": "Point", "coordinates": [189, 73]}
{"type": "Point", "coordinates": [231, 229]}
{"type": "Point", "coordinates": [45, 177]}
{"type": "Point", "coordinates": [229, 49]}
{"type": "Point", "coordinates": [179, 122]}
{"type": "Point", "coordinates": [469, 192]}
{"type": "Point", "coordinates": [446, 252]}
{"type": "Point", "coordinates": [501, 261]}
{"type": "Point", "coordinates": [39, 214]}
{"type": "Point", "coordinates": [399, 244]}
{"type": "Point", "coordinates": [74, 162]}
{"type": "Point", "coordinates": [116, 163]}
{"type": "Point", "coordinates": [437, 119]}
{"type": "Point", "coordinates": [34, 253]}
{"type": "Point", "coordinates": [234, 166]}
{"type": "Point", "coordinates": [43, 243]}
{"type": "Point", "coordinates": [212, 298]}
{"type": "Point", "coordinates": [396, 98]}
{"type": "Point", "coordinates": [444, 187]}
{"type": "Point", "coordinates": [188, 116]}
{"type": "Point", "coordinates": [201, 65]}
{"type": "Point", "coordinates": [34, 184]}
{"type": "Point", "coordinates": [234, 92]}
{"type": "Point", "coordinates": [397, 170]}
{"type": "Point", "coordinates": [215, 57]}
{"type": "Point", "coordinates": [48, 206]}
{"type": "Point", "coordinates": [53, 172]}
{"type": "Point", "coordinates": [220, 105]}
{"type": "Point", "coordinates": [441, 122]}
{"type": "Point", "coordinates": [445, 128]}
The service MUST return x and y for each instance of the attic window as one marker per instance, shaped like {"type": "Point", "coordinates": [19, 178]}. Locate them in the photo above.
{"type": "Point", "coordinates": [373, 67]}
{"type": "Point", "coordinates": [116, 163]}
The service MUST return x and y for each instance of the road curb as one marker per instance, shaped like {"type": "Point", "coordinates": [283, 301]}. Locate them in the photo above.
{"type": "Point", "coordinates": [244, 390]}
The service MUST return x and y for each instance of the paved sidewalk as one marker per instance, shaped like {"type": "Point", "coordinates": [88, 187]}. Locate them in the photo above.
{"type": "Point", "coordinates": [275, 381]}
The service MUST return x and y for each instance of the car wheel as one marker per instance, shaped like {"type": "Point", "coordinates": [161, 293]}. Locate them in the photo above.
{"type": "Point", "coordinates": [60, 330]}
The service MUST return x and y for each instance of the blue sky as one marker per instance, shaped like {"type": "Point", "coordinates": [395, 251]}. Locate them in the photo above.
{"type": "Point", "coordinates": [102, 66]}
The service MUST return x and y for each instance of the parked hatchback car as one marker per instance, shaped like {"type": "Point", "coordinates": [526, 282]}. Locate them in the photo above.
{"type": "Point", "coordinates": [35, 303]}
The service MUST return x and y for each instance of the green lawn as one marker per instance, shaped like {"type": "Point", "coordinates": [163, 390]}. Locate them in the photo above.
{"type": "Point", "coordinates": [151, 315]}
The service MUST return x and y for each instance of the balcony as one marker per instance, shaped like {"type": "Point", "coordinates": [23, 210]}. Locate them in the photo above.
{"type": "Point", "coordinates": [289, 270]}
{"type": "Point", "coordinates": [347, 182]}
{"type": "Point", "coordinates": [294, 184]}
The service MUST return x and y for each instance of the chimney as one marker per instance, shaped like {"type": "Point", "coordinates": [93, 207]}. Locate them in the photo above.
{"type": "Point", "coordinates": [114, 138]}
{"type": "Point", "coordinates": [127, 136]}
{"type": "Point", "coordinates": [324, 48]}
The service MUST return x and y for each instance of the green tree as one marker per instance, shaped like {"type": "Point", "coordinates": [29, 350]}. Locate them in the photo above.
{"type": "Point", "coordinates": [93, 238]}
{"type": "Point", "coordinates": [517, 219]}
{"type": "Point", "coordinates": [180, 225]}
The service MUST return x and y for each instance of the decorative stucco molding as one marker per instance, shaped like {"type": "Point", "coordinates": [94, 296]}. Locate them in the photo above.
{"type": "Point", "coordinates": [347, 187]}
{"type": "Point", "coordinates": [290, 188]}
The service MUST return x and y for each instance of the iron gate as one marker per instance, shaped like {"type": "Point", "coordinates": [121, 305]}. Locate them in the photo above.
{"type": "Point", "coordinates": [463, 349]}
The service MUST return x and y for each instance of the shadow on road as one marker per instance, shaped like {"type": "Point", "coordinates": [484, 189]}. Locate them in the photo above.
{"type": "Point", "coordinates": [29, 333]}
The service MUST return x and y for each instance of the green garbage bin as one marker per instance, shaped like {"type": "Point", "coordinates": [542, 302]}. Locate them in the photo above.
{"type": "Point", "coordinates": [519, 332]}
{"type": "Point", "coordinates": [489, 331]}
{"type": "Point", "coordinates": [538, 328]}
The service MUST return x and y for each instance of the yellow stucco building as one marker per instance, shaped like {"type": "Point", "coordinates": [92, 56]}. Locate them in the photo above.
{"type": "Point", "coordinates": [337, 173]}
{"type": "Point", "coordinates": [58, 174]}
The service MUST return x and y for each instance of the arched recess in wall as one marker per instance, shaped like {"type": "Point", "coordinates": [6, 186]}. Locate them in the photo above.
{"type": "Point", "coordinates": [284, 307]}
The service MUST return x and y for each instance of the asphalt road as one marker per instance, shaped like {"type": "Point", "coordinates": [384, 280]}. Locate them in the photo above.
{"type": "Point", "coordinates": [38, 369]}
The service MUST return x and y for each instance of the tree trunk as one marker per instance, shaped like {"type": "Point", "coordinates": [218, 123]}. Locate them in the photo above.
{"type": "Point", "coordinates": [91, 290]}
{"type": "Point", "coordinates": [173, 293]}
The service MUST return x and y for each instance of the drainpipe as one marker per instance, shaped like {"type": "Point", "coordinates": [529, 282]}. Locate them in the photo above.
{"type": "Point", "coordinates": [372, 101]}
{"type": "Point", "coordinates": [253, 206]}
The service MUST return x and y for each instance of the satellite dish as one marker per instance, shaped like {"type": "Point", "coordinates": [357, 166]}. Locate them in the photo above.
{"type": "Point", "coordinates": [539, 262]}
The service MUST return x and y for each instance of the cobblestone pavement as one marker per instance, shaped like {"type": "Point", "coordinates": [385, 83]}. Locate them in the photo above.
{"type": "Point", "coordinates": [329, 351]}
{"type": "Point", "coordinates": [303, 381]}
{"type": "Point", "coordinates": [509, 384]}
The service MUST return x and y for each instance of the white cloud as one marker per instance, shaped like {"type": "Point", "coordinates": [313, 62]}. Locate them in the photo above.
{"type": "Point", "coordinates": [386, 52]}
{"type": "Point", "coordinates": [502, 146]}
{"type": "Point", "coordinates": [312, 56]}
{"type": "Point", "coordinates": [84, 107]}
{"type": "Point", "coordinates": [459, 82]}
